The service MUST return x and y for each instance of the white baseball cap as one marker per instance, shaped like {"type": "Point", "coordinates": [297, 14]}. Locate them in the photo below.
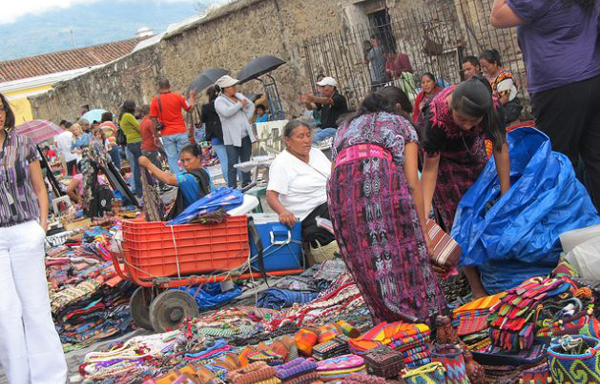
{"type": "Point", "coordinates": [226, 81]}
{"type": "Point", "coordinates": [327, 81]}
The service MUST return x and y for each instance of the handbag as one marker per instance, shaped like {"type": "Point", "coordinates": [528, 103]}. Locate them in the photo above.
{"type": "Point", "coordinates": [575, 360]}
{"type": "Point", "coordinates": [445, 250]}
{"type": "Point", "coordinates": [453, 361]}
{"type": "Point", "coordinates": [432, 373]}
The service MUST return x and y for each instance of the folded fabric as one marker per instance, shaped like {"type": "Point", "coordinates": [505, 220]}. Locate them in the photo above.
{"type": "Point", "coordinates": [472, 321]}
{"type": "Point", "coordinates": [357, 378]}
{"type": "Point", "coordinates": [252, 373]}
{"type": "Point", "coordinates": [307, 378]}
{"type": "Point", "coordinates": [294, 368]}
{"type": "Point", "coordinates": [277, 298]}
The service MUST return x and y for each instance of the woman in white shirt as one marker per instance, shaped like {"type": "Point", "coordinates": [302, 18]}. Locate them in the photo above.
{"type": "Point", "coordinates": [297, 189]}
{"type": "Point", "coordinates": [235, 111]}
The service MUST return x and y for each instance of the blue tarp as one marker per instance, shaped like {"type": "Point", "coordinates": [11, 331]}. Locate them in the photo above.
{"type": "Point", "coordinates": [225, 198]}
{"type": "Point", "coordinates": [517, 238]}
{"type": "Point", "coordinates": [211, 296]}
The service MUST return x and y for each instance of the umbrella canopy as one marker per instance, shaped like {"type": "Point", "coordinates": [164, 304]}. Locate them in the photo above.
{"type": "Point", "coordinates": [94, 114]}
{"type": "Point", "coordinates": [258, 67]}
{"type": "Point", "coordinates": [38, 130]}
{"type": "Point", "coordinates": [206, 79]}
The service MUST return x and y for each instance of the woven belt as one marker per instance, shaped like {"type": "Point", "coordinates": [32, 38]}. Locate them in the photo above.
{"type": "Point", "coordinates": [362, 151]}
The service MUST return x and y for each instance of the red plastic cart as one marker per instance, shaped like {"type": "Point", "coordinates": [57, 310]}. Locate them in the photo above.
{"type": "Point", "coordinates": [158, 257]}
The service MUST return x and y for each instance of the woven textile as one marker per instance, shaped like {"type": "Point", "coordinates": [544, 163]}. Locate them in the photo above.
{"type": "Point", "coordinates": [575, 360]}
{"type": "Point", "coordinates": [452, 359]}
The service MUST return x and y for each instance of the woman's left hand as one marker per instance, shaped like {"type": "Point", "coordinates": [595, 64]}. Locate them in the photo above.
{"type": "Point", "coordinates": [44, 224]}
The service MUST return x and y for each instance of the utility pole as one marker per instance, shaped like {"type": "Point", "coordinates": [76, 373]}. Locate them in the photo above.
{"type": "Point", "coordinates": [73, 39]}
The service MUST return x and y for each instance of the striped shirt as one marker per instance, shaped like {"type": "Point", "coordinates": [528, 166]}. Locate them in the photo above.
{"type": "Point", "coordinates": [18, 201]}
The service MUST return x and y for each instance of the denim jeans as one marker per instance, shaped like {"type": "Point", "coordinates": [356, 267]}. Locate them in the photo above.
{"type": "Point", "coordinates": [135, 151]}
{"type": "Point", "coordinates": [221, 152]}
{"type": "Point", "coordinates": [115, 155]}
{"type": "Point", "coordinates": [322, 134]}
{"type": "Point", "coordinates": [173, 145]}
{"type": "Point", "coordinates": [236, 155]}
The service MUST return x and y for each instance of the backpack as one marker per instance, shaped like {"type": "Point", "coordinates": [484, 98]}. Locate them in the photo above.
{"type": "Point", "coordinates": [101, 202]}
{"type": "Point", "coordinates": [121, 138]}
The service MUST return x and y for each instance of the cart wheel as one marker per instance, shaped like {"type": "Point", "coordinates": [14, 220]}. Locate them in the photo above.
{"type": "Point", "coordinates": [139, 307]}
{"type": "Point", "coordinates": [170, 308]}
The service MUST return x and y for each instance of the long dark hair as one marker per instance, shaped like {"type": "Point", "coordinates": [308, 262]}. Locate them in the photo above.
{"type": "Point", "coordinates": [474, 98]}
{"type": "Point", "coordinates": [373, 103]}
{"type": "Point", "coordinates": [128, 107]}
{"type": "Point", "coordinates": [192, 149]}
{"type": "Point", "coordinates": [394, 96]}
{"type": "Point", "coordinates": [212, 93]}
{"type": "Point", "coordinates": [9, 119]}
{"type": "Point", "coordinates": [492, 56]}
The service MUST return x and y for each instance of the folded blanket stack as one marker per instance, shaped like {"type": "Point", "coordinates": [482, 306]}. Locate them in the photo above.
{"type": "Point", "coordinates": [472, 321]}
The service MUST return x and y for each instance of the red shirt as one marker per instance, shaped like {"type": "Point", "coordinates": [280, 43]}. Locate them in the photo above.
{"type": "Point", "coordinates": [147, 132]}
{"type": "Point", "coordinates": [171, 115]}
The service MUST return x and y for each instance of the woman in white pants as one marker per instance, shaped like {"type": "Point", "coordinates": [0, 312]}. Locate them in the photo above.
{"type": "Point", "coordinates": [30, 349]}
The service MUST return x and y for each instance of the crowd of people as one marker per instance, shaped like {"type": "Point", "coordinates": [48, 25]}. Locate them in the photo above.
{"type": "Point", "coordinates": [394, 165]}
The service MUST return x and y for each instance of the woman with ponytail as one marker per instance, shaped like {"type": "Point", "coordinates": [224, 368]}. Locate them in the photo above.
{"type": "Point", "coordinates": [457, 122]}
{"type": "Point", "coordinates": [376, 206]}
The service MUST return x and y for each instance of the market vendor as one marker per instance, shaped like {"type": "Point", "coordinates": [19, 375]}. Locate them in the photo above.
{"type": "Point", "coordinates": [75, 188]}
{"type": "Point", "coordinates": [457, 121]}
{"type": "Point", "coordinates": [297, 183]}
{"type": "Point", "coordinates": [192, 184]}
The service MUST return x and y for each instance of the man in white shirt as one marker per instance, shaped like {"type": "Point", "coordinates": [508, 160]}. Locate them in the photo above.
{"type": "Point", "coordinates": [64, 145]}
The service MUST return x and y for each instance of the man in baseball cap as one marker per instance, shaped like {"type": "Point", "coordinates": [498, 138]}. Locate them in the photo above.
{"type": "Point", "coordinates": [331, 104]}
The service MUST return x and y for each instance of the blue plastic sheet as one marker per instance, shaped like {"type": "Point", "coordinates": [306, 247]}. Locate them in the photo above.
{"type": "Point", "coordinates": [225, 198]}
{"type": "Point", "coordinates": [277, 298]}
{"type": "Point", "coordinates": [518, 236]}
{"type": "Point", "coordinates": [210, 295]}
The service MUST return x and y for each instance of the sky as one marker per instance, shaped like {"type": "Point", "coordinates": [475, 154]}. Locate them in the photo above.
{"type": "Point", "coordinates": [34, 27]}
{"type": "Point", "coordinates": [14, 10]}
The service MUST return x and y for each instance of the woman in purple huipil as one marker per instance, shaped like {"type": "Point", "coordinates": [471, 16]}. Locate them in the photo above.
{"type": "Point", "coordinates": [376, 207]}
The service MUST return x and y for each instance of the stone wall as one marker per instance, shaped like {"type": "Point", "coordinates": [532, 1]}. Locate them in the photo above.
{"type": "Point", "coordinates": [228, 38]}
{"type": "Point", "coordinates": [232, 35]}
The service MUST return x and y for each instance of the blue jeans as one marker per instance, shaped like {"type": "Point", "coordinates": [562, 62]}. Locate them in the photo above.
{"type": "Point", "coordinates": [238, 155]}
{"type": "Point", "coordinates": [322, 134]}
{"type": "Point", "coordinates": [221, 152]}
{"type": "Point", "coordinates": [115, 155]}
{"type": "Point", "coordinates": [173, 145]}
{"type": "Point", "coordinates": [135, 151]}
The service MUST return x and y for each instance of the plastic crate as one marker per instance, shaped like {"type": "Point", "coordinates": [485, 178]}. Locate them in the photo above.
{"type": "Point", "coordinates": [155, 250]}
{"type": "Point", "coordinates": [282, 245]}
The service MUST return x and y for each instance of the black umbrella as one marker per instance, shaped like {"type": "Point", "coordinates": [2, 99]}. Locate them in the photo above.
{"type": "Point", "coordinates": [258, 67]}
{"type": "Point", "coordinates": [206, 79]}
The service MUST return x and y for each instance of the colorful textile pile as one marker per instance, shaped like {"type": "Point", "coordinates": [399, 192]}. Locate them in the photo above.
{"type": "Point", "coordinates": [339, 367]}
{"type": "Point", "coordinates": [541, 307]}
{"type": "Point", "coordinates": [513, 319]}
{"type": "Point", "coordinates": [341, 301]}
{"type": "Point", "coordinates": [411, 340]}
{"type": "Point", "coordinates": [298, 370]}
{"type": "Point", "coordinates": [472, 321]}
{"type": "Point", "coordinates": [89, 301]}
